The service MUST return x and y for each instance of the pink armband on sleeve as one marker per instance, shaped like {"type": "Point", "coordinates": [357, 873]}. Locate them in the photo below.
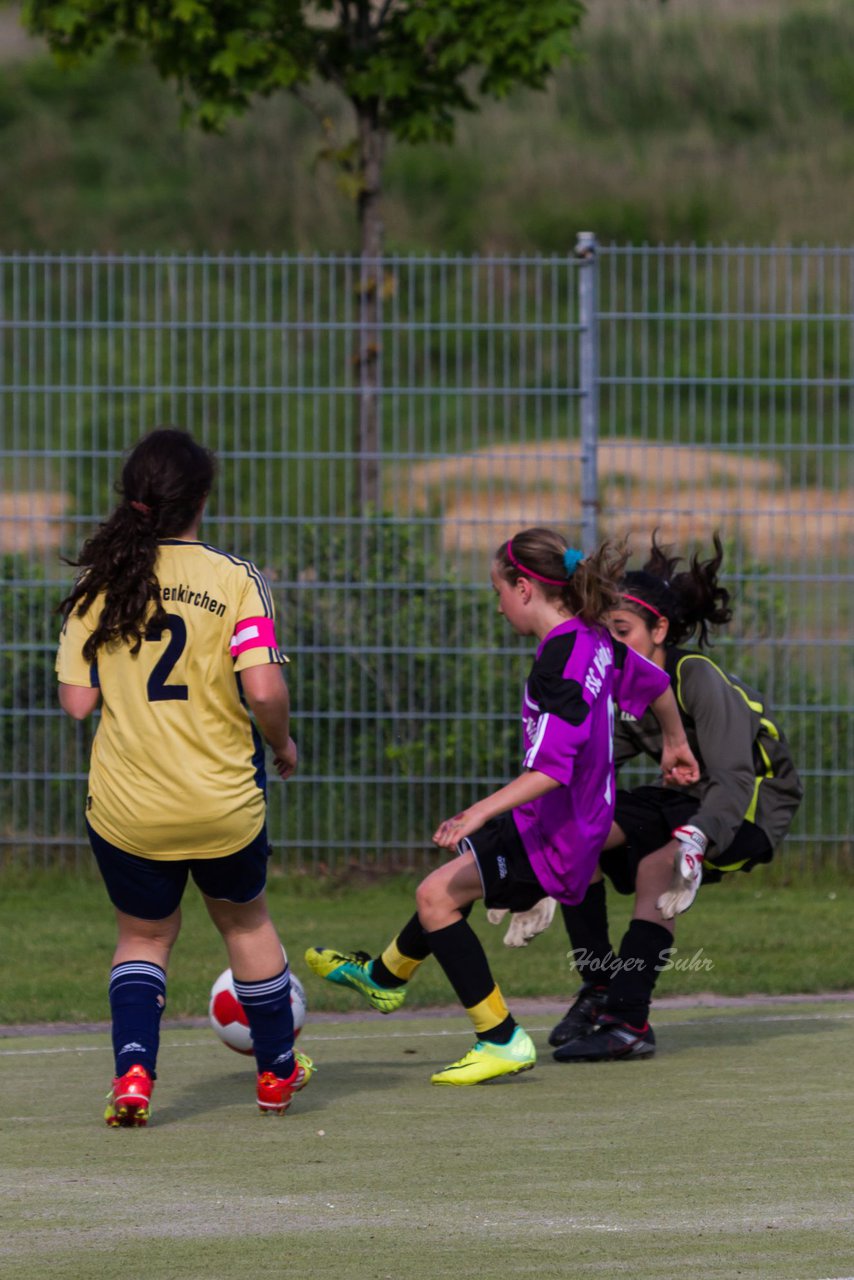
{"type": "Point", "coordinates": [253, 633]}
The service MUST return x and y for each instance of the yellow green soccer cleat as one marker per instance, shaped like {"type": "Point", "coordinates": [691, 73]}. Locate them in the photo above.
{"type": "Point", "coordinates": [353, 969]}
{"type": "Point", "coordinates": [487, 1061]}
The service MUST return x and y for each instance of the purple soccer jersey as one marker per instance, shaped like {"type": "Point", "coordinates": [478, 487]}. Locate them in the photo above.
{"type": "Point", "coordinates": [579, 672]}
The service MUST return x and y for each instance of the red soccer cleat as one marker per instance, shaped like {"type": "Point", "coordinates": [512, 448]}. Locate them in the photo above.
{"type": "Point", "coordinates": [275, 1094]}
{"type": "Point", "coordinates": [129, 1100]}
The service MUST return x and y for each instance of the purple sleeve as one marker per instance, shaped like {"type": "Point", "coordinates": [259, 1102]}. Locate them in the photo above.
{"type": "Point", "coordinates": [637, 681]}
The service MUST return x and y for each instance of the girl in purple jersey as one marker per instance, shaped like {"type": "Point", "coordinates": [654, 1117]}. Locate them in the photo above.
{"type": "Point", "coordinates": [665, 842]}
{"type": "Point", "coordinates": [542, 833]}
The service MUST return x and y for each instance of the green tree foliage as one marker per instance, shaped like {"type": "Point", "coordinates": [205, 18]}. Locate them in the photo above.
{"type": "Point", "coordinates": [406, 68]}
{"type": "Point", "coordinates": [409, 66]}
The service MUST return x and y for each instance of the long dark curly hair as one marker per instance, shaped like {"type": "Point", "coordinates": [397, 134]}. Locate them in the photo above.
{"type": "Point", "coordinates": [692, 600]}
{"type": "Point", "coordinates": [163, 484]}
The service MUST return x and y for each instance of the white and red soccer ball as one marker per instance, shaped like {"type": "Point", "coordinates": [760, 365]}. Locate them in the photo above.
{"type": "Point", "coordinates": [228, 1017]}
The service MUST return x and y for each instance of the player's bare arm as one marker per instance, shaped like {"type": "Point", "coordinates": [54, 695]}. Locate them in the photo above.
{"type": "Point", "coordinates": [78, 701]}
{"type": "Point", "coordinates": [269, 701]}
{"type": "Point", "coordinates": [530, 785]}
{"type": "Point", "coordinates": [678, 765]}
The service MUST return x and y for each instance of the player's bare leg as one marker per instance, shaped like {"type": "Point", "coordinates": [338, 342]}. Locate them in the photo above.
{"type": "Point", "coordinates": [654, 877]}
{"type": "Point", "coordinates": [251, 939]}
{"type": "Point", "coordinates": [148, 940]}
{"type": "Point", "coordinates": [441, 896]}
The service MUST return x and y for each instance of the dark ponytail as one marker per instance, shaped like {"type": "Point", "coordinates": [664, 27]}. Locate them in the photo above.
{"type": "Point", "coordinates": [692, 600]}
{"type": "Point", "coordinates": [588, 589]}
{"type": "Point", "coordinates": [163, 484]}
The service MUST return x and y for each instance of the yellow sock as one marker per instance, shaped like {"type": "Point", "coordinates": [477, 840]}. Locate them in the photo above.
{"type": "Point", "coordinates": [490, 1012]}
{"type": "Point", "coordinates": [397, 963]}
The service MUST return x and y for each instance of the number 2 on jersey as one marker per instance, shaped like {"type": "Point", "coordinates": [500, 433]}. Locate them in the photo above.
{"type": "Point", "coordinates": [158, 689]}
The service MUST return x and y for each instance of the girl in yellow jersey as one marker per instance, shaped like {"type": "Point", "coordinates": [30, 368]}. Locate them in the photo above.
{"type": "Point", "coordinates": [176, 640]}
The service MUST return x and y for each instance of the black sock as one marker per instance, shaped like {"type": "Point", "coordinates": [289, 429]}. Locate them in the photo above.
{"type": "Point", "coordinates": [458, 950]}
{"type": "Point", "coordinates": [401, 957]}
{"type": "Point", "coordinates": [643, 954]}
{"type": "Point", "coordinates": [587, 927]}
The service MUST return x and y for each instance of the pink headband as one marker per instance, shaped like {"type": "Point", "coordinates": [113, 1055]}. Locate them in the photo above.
{"type": "Point", "coordinates": [529, 573]}
{"type": "Point", "coordinates": [142, 508]}
{"type": "Point", "coordinates": [644, 605]}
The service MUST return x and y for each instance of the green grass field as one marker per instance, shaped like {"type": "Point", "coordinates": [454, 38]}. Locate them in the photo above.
{"type": "Point", "coordinates": [729, 1155]}
{"type": "Point", "coordinates": [750, 934]}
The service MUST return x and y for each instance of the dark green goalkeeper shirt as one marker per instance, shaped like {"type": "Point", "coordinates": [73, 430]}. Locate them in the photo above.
{"type": "Point", "coordinates": [746, 767]}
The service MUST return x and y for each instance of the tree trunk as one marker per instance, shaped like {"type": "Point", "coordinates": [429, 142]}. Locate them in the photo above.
{"type": "Point", "coordinates": [371, 156]}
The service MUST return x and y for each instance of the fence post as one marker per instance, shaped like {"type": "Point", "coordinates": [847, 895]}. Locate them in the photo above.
{"type": "Point", "coordinates": [588, 350]}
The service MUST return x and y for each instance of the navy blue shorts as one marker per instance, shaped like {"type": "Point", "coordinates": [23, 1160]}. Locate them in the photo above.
{"type": "Point", "coordinates": [151, 889]}
{"type": "Point", "coordinates": [505, 870]}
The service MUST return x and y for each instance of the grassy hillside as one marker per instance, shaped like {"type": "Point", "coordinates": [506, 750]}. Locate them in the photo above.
{"type": "Point", "coordinates": [719, 120]}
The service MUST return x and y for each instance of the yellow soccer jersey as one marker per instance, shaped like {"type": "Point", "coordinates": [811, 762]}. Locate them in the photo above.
{"type": "Point", "coordinates": [177, 766]}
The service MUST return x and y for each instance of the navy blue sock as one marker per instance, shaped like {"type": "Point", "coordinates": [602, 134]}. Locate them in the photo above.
{"type": "Point", "coordinates": [271, 1021]}
{"type": "Point", "coordinates": [137, 1001]}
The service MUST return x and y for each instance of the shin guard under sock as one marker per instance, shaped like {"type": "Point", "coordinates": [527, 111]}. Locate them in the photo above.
{"type": "Point", "coordinates": [137, 1001]}
{"type": "Point", "coordinates": [458, 950]}
{"type": "Point", "coordinates": [405, 953]}
{"type": "Point", "coordinates": [271, 1021]}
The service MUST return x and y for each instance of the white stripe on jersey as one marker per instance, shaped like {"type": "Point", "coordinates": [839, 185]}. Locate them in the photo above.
{"type": "Point", "coordinates": [535, 745]}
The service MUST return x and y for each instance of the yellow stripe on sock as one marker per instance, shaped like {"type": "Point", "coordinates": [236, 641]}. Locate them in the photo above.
{"type": "Point", "coordinates": [397, 963]}
{"type": "Point", "coordinates": [490, 1013]}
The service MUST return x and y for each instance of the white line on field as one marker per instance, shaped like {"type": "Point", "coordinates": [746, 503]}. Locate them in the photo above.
{"type": "Point", "coordinates": [433, 1034]}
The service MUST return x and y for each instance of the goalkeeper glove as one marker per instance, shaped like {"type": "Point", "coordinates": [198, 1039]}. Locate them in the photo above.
{"type": "Point", "coordinates": [687, 872]}
{"type": "Point", "coordinates": [525, 925]}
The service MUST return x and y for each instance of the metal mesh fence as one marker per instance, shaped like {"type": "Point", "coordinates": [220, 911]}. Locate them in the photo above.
{"type": "Point", "coordinates": [605, 393]}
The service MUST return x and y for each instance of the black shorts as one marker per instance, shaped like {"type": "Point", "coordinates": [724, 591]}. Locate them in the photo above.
{"type": "Point", "coordinates": [649, 816]}
{"type": "Point", "coordinates": [152, 888]}
{"type": "Point", "coordinates": [505, 872]}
